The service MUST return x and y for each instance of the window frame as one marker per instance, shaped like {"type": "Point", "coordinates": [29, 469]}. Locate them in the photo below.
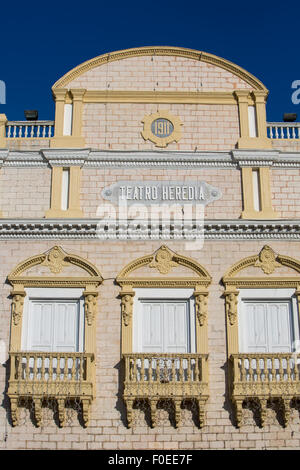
{"type": "Point", "coordinates": [165, 295]}
{"type": "Point", "coordinates": [52, 294]}
{"type": "Point", "coordinates": [268, 295]}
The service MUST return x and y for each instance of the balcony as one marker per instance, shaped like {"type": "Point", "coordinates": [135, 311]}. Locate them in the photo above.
{"type": "Point", "coordinates": [41, 376]}
{"type": "Point", "coordinates": [172, 377]}
{"type": "Point", "coordinates": [262, 377]}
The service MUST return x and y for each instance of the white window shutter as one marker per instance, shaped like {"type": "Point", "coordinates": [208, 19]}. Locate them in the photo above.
{"type": "Point", "coordinates": [152, 327]}
{"type": "Point", "coordinates": [165, 327]}
{"type": "Point", "coordinates": [66, 325]}
{"type": "Point", "coordinates": [267, 327]}
{"type": "Point", "coordinates": [256, 327]}
{"type": "Point", "coordinates": [53, 326]}
{"type": "Point", "coordinates": [40, 331]}
{"type": "Point", "coordinates": [175, 327]}
{"type": "Point", "coordinates": [279, 326]}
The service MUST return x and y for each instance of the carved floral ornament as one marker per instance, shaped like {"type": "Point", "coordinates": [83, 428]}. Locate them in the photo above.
{"type": "Point", "coordinates": [55, 259]}
{"type": "Point", "coordinates": [164, 261]}
{"type": "Point", "coordinates": [267, 261]}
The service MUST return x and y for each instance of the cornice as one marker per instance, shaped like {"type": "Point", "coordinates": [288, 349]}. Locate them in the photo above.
{"type": "Point", "coordinates": [88, 158]}
{"type": "Point", "coordinates": [93, 229]}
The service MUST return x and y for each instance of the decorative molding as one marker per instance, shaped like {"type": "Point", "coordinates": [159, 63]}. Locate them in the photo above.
{"type": "Point", "coordinates": [90, 159]}
{"type": "Point", "coordinates": [93, 229]}
{"type": "Point", "coordinates": [267, 260]}
{"type": "Point", "coordinates": [163, 260]}
{"type": "Point", "coordinates": [160, 51]}
{"type": "Point", "coordinates": [161, 97]}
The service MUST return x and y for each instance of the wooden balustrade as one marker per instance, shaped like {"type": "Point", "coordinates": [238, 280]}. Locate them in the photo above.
{"type": "Point", "coordinates": [56, 375]}
{"type": "Point", "coordinates": [165, 377]}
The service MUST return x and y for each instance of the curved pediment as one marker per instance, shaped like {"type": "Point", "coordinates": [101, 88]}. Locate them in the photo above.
{"type": "Point", "coordinates": [73, 78]}
{"type": "Point", "coordinates": [159, 269]}
{"type": "Point", "coordinates": [54, 264]}
{"type": "Point", "coordinates": [265, 268]}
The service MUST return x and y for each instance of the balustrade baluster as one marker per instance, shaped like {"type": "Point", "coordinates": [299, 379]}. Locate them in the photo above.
{"type": "Point", "coordinates": [288, 369]}
{"type": "Point", "coordinates": [173, 369]}
{"type": "Point", "coordinates": [51, 367]}
{"type": "Point", "coordinates": [239, 369]}
{"type": "Point", "coordinates": [280, 367]}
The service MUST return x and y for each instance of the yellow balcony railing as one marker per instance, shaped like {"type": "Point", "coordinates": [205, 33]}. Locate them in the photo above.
{"type": "Point", "coordinates": [175, 377]}
{"type": "Point", "coordinates": [59, 376]}
{"type": "Point", "coordinates": [264, 376]}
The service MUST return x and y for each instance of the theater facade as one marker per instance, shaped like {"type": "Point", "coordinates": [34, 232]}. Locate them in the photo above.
{"type": "Point", "coordinates": [150, 261]}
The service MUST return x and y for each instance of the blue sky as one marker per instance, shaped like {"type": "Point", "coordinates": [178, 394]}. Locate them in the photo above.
{"type": "Point", "coordinates": [41, 41]}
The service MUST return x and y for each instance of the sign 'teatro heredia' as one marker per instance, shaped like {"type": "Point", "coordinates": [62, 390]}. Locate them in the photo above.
{"type": "Point", "coordinates": [160, 192]}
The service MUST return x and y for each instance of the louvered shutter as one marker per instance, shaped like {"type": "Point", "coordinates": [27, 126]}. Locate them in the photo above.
{"type": "Point", "coordinates": [165, 327]}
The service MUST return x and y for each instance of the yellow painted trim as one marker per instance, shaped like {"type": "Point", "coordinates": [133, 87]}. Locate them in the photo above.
{"type": "Point", "coordinates": [266, 211]}
{"type": "Point", "coordinates": [259, 100]}
{"type": "Point", "coordinates": [164, 260]}
{"type": "Point", "coordinates": [163, 97]}
{"type": "Point", "coordinates": [73, 210]}
{"type": "Point", "coordinates": [160, 51]}
{"type": "Point", "coordinates": [60, 97]}
{"type": "Point", "coordinates": [67, 141]}
{"type": "Point", "coordinates": [3, 121]}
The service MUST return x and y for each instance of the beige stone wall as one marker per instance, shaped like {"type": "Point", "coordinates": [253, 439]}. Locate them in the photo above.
{"type": "Point", "coordinates": [107, 429]}
{"type": "Point", "coordinates": [160, 73]}
{"type": "Point", "coordinates": [118, 126]}
{"type": "Point", "coordinates": [285, 193]}
{"type": "Point", "coordinates": [25, 192]}
{"type": "Point", "coordinates": [228, 181]}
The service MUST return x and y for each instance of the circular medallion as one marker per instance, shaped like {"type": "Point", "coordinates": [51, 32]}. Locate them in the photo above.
{"type": "Point", "coordinates": [162, 128]}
